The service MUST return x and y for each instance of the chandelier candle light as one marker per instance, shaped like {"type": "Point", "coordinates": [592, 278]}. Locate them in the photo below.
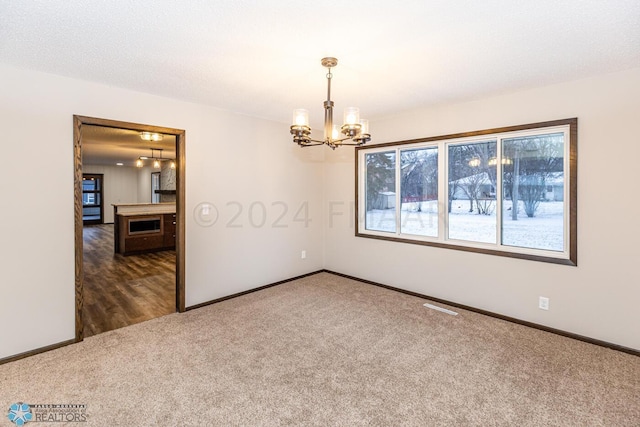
{"type": "Point", "coordinates": [355, 129]}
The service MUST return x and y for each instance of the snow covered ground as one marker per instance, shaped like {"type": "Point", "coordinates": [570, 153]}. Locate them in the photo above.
{"type": "Point", "coordinates": [544, 231]}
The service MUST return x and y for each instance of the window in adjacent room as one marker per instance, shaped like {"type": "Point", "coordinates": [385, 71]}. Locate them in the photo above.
{"type": "Point", "coordinates": [92, 206]}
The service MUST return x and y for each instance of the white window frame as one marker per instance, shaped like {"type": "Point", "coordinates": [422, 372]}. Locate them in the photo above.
{"type": "Point", "coordinates": [568, 127]}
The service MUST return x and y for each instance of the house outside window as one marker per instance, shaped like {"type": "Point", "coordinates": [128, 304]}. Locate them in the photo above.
{"type": "Point", "coordinates": [508, 191]}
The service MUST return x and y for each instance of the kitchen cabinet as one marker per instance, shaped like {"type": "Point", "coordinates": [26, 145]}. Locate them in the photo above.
{"type": "Point", "coordinates": [139, 233]}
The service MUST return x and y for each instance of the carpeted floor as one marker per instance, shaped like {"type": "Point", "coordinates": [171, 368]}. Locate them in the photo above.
{"type": "Point", "coordinates": [329, 351]}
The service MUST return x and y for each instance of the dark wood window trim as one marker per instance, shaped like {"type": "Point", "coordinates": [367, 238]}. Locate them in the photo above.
{"type": "Point", "coordinates": [572, 190]}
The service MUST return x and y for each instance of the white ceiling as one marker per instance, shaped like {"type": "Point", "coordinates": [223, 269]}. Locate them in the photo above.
{"type": "Point", "coordinates": [262, 58]}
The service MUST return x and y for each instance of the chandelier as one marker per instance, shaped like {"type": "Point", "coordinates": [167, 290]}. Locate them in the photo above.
{"type": "Point", "coordinates": [354, 129]}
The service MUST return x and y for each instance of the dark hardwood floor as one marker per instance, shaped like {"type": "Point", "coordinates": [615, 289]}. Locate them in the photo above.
{"type": "Point", "coordinates": [123, 290]}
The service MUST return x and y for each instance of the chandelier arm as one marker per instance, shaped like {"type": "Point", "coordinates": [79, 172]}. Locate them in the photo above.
{"type": "Point", "coordinates": [355, 144]}
{"type": "Point", "coordinates": [341, 139]}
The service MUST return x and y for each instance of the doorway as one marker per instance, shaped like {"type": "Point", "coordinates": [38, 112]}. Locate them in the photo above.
{"type": "Point", "coordinates": [155, 187]}
{"type": "Point", "coordinates": [92, 205]}
{"type": "Point", "coordinates": [83, 124]}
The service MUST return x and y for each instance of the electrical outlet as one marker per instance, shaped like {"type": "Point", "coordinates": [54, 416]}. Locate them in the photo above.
{"type": "Point", "coordinates": [303, 255]}
{"type": "Point", "coordinates": [543, 303]}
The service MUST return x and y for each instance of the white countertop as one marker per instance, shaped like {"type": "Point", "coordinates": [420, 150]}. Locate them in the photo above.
{"type": "Point", "coordinates": [129, 209]}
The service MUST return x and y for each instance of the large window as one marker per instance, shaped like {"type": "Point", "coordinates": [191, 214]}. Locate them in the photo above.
{"type": "Point", "coordinates": [508, 191]}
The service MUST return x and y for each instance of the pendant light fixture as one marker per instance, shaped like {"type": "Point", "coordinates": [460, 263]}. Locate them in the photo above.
{"type": "Point", "coordinates": [354, 129]}
{"type": "Point", "coordinates": [151, 136]}
{"type": "Point", "coordinates": [157, 161]}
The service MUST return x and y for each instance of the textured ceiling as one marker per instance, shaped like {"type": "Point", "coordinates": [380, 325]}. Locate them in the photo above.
{"type": "Point", "coordinates": [262, 58]}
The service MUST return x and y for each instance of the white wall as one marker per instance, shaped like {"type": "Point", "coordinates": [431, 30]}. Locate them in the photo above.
{"type": "Point", "coordinates": [259, 168]}
{"type": "Point", "coordinates": [230, 158]}
{"type": "Point", "coordinates": [144, 184]}
{"type": "Point", "coordinates": [600, 297]}
{"type": "Point", "coordinates": [122, 184]}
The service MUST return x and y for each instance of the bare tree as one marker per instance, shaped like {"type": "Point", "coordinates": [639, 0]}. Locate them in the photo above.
{"type": "Point", "coordinates": [459, 158]}
{"type": "Point", "coordinates": [471, 188]}
{"type": "Point", "coordinates": [471, 170]}
{"type": "Point", "coordinates": [419, 175]}
{"type": "Point", "coordinates": [534, 161]}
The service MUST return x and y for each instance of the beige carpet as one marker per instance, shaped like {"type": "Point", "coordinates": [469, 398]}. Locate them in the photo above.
{"type": "Point", "coordinates": [329, 351]}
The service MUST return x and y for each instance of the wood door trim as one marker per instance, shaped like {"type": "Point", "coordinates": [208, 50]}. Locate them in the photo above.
{"type": "Point", "coordinates": [78, 122]}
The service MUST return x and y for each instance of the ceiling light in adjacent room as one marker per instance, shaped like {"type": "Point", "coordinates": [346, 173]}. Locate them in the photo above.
{"type": "Point", "coordinates": [157, 161]}
{"type": "Point", "coordinates": [151, 136]}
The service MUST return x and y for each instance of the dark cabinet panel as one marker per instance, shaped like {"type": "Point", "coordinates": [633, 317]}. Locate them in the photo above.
{"type": "Point", "coordinates": [145, 233]}
{"type": "Point", "coordinates": [169, 231]}
{"type": "Point", "coordinates": [143, 243]}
